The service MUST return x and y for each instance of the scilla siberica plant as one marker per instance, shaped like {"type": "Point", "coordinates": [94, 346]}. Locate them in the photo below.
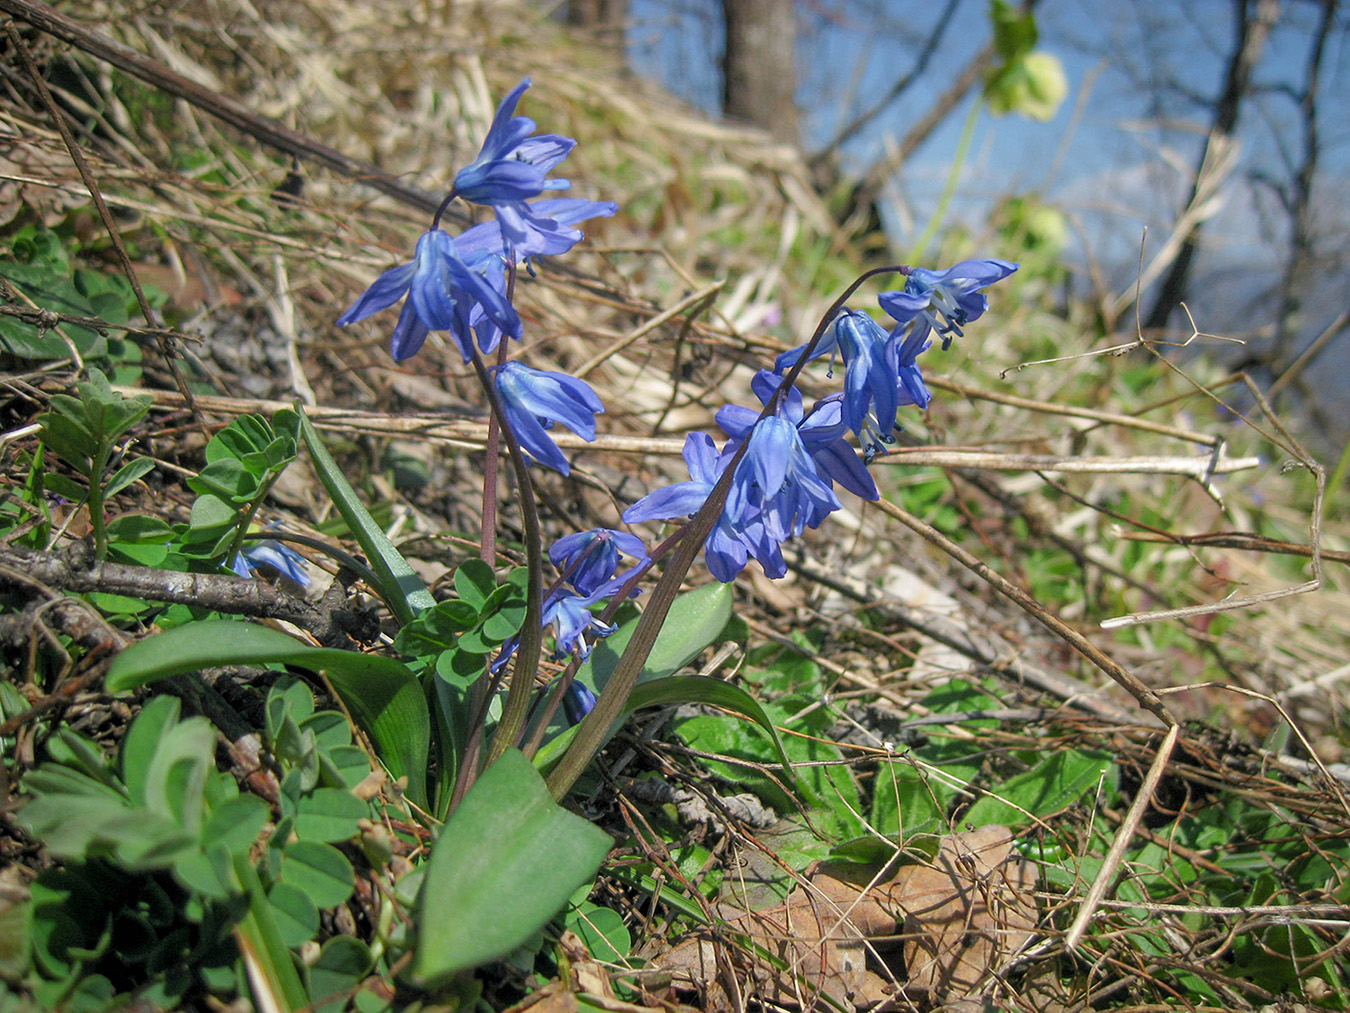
{"type": "Point", "coordinates": [774, 475]}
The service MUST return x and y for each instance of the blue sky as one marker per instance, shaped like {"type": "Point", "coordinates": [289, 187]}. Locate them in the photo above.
{"type": "Point", "coordinates": [1110, 166]}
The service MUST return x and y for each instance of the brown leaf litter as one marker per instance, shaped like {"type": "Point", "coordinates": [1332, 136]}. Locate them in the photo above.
{"type": "Point", "coordinates": [957, 917]}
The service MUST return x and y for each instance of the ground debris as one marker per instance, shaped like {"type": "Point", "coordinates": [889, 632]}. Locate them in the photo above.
{"type": "Point", "coordinates": [959, 917]}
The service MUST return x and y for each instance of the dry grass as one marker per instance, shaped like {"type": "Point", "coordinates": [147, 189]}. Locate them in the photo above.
{"type": "Point", "coordinates": [721, 255]}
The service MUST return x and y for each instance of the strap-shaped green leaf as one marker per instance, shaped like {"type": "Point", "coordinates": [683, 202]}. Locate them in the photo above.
{"type": "Point", "coordinates": [400, 587]}
{"type": "Point", "coordinates": [505, 862]}
{"type": "Point", "coordinates": [382, 694]}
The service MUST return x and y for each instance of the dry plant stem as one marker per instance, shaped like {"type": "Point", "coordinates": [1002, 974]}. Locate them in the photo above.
{"type": "Point", "coordinates": [162, 339]}
{"type": "Point", "coordinates": [1071, 411]}
{"type": "Point", "coordinates": [1199, 468]}
{"type": "Point", "coordinates": [591, 731]}
{"type": "Point", "coordinates": [1146, 697]}
{"type": "Point", "coordinates": [1303, 459]}
{"type": "Point", "coordinates": [75, 571]}
{"type": "Point", "coordinates": [1124, 835]}
{"type": "Point", "coordinates": [473, 435]}
{"type": "Point", "coordinates": [1247, 540]}
{"type": "Point", "coordinates": [1333, 784]}
{"type": "Point", "coordinates": [160, 77]}
{"type": "Point", "coordinates": [699, 298]}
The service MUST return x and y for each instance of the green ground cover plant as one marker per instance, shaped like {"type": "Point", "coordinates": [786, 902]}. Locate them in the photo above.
{"type": "Point", "coordinates": [280, 730]}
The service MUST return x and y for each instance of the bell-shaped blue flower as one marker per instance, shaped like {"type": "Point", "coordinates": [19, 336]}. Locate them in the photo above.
{"type": "Point", "coordinates": [442, 294]}
{"type": "Point", "coordinates": [821, 434]}
{"type": "Point", "coordinates": [729, 545]}
{"type": "Point", "coordinates": [871, 381]}
{"type": "Point", "coordinates": [512, 165]}
{"type": "Point", "coordinates": [578, 701]}
{"type": "Point", "coordinates": [571, 617]}
{"type": "Point", "coordinates": [588, 559]}
{"type": "Point", "coordinates": [512, 168]}
{"type": "Point", "coordinates": [534, 399]}
{"type": "Point", "coordinates": [546, 239]}
{"type": "Point", "coordinates": [944, 301]}
{"type": "Point", "coordinates": [269, 552]}
{"type": "Point", "coordinates": [485, 250]}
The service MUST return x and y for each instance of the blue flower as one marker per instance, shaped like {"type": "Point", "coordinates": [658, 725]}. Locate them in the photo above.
{"type": "Point", "coordinates": [590, 558]}
{"type": "Point", "coordinates": [484, 250]}
{"type": "Point", "coordinates": [727, 548]}
{"type": "Point", "coordinates": [442, 290]}
{"type": "Point", "coordinates": [553, 233]}
{"type": "Point", "coordinates": [533, 400]}
{"type": "Point", "coordinates": [944, 301]}
{"type": "Point", "coordinates": [578, 701]}
{"type": "Point", "coordinates": [821, 436]}
{"type": "Point", "coordinates": [570, 616]}
{"type": "Point", "coordinates": [269, 552]}
{"type": "Point", "coordinates": [512, 165]}
{"type": "Point", "coordinates": [777, 481]}
{"type": "Point", "coordinates": [871, 380]}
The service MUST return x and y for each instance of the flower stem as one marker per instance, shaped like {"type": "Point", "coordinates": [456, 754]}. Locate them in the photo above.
{"type": "Point", "coordinates": [953, 174]}
{"type": "Point", "coordinates": [526, 662]}
{"type": "Point", "coordinates": [488, 545]}
{"type": "Point", "coordinates": [436, 218]}
{"type": "Point", "coordinates": [591, 732]}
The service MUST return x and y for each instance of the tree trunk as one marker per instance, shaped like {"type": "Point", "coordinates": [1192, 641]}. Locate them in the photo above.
{"type": "Point", "coordinates": [606, 18]}
{"type": "Point", "coordinates": [759, 65]}
{"type": "Point", "coordinates": [1254, 22]}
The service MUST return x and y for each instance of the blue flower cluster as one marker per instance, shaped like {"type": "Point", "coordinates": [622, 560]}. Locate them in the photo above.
{"type": "Point", "coordinates": [787, 460]}
{"type": "Point", "coordinates": [458, 284]}
{"type": "Point", "coordinates": [790, 459]}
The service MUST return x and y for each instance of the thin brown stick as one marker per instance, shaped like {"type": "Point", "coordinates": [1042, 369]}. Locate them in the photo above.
{"type": "Point", "coordinates": [1124, 835]}
{"type": "Point", "coordinates": [1146, 697]}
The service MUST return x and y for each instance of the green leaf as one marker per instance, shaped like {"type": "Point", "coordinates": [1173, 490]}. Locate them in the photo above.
{"type": "Point", "coordinates": [175, 781]}
{"type": "Point", "coordinates": [1052, 785]}
{"type": "Point", "coordinates": [400, 587]}
{"type": "Point", "coordinates": [235, 824]}
{"type": "Point", "coordinates": [320, 870]}
{"type": "Point", "coordinates": [342, 965]}
{"type": "Point", "coordinates": [228, 479]}
{"type": "Point", "coordinates": [474, 582]}
{"type": "Point", "coordinates": [329, 814]}
{"type": "Point", "coordinates": [47, 282]}
{"type": "Point", "coordinates": [128, 473]}
{"type": "Point", "coordinates": [602, 930]}
{"type": "Point", "coordinates": [505, 863]}
{"type": "Point", "coordinates": [908, 800]}
{"type": "Point", "coordinates": [695, 620]}
{"type": "Point", "coordinates": [139, 529]}
{"type": "Point", "coordinates": [382, 694]}
{"type": "Point", "coordinates": [679, 689]}
{"type": "Point", "coordinates": [296, 917]}
{"type": "Point", "coordinates": [822, 779]}
{"type": "Point", "coordinates": [142, 740]}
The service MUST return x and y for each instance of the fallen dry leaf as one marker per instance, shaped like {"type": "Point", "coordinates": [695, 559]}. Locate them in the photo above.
{"type": "Point", "coordinates": [965, 912]}
{"type": "Point", "coordinates": [959, 915]}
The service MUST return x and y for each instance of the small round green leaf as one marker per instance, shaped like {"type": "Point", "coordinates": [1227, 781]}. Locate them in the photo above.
{"type": "Point", "coordinates": [320, 870]}
{"type": "Point", "coordinates": [329, 814]}
{"type": "Point", "coordinates": [296, 917]}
